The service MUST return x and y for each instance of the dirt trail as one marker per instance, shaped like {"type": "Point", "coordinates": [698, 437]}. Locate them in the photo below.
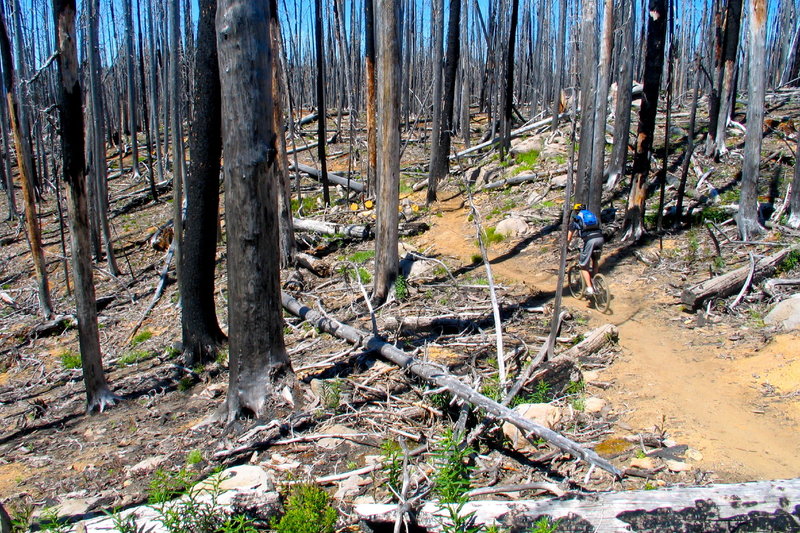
{"type": "Point", "coordinates": [716, 389]}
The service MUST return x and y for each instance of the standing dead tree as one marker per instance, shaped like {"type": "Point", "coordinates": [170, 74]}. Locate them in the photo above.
{"type": "Point", "coordinates": [19, 127]}
{"type": "Point", "coordinates": [98, 395]}
{"type": "Point", "coordinates": [654, 62]}
{"type": "Point", "coordinates": [747, 217]}
{"type": "Point", "coordinates": [259, 365]}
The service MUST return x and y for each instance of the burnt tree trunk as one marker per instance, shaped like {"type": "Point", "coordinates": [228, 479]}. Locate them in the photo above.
{"type": "Point", "coordinates": [440, 160]}
{"type": "Point", "coordinates": [369, 73]}
{"type": "Point", "coordinates": [201, 332]}
{"type": "Point", "coordinates": [508, 93]}
{"type": "Point", "coordinates": [98, 395]}
{"type": "Point", "coordinates": [654, 63]}
{"type": "Point", "coordinates": [747, 217]}
{"type": "Point", "coordinates": [287, 241]}
{"type": "Point", "coordinates": [131, 85]}
{"type": "Point", "coordinates": [733, 17]}
{"type": "Point", "coordinates": [25, 164]}
{"type": "Point", "coordinates": [259, 364]}
{"type": "Point", "coordinates": [601, 109]}
{"type": "Point", "coordinates": [388, 179]}
{"type": "Point", "coordinates": [622, 110]}
{"type": "Point", "coordinates": [321, 112]}
{"type": "Point", "coordinates": [794, 196]}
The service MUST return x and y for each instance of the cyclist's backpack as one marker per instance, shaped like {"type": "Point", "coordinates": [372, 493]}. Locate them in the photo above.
{"type": "Point", "coordinates": [589, 220]}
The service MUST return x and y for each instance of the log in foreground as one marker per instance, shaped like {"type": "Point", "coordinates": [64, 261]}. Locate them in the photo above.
{"type": "Point", "coordinates": [757, 506]}
{"type": "Point", "coordinates": [442, 378]}
{"type": "Point", "coordinates": [729, 283]}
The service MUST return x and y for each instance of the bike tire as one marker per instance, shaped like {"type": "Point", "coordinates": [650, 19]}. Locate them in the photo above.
{"type": "Point", "coordinates": [602, 295]}
{"type": "Point", "coordinates": [575, 281]}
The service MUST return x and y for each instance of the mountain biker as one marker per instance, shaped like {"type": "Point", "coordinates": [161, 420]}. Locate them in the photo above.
{"type": "Point", "coordinates": [587, 225]}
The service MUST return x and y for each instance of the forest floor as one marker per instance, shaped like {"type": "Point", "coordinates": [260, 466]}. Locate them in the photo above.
{"type": "Point", "coordinates": [718, 389]}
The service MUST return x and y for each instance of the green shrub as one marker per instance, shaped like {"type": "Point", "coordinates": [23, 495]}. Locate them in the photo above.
{"type": "Point", "coordinates": [790, 262]}
{"type": "Point", "coordinates": [134, 356]}
{"type": "Point", "coordinates": [70, 360]}
{"type": "Point", "coordinates": [362, 256]}
{"type": "Point", "coordinates": [167, 485]}
{"type": "Point", "coordinates": [401, 287]}
{"type": "Point", "coordinates": [194, 457]}
{"type": "Point", "coordinates": [451, 477]}
{"type": "Point", "coordinates": [308, 510]}
{"type": "Point", "coordinates": [141, 337]}
{"type": "Point", "coordinates": [392, 464]}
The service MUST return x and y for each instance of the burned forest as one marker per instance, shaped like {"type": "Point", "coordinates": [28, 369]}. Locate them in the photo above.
{"type": "Point", "coordinates": [303, 266]}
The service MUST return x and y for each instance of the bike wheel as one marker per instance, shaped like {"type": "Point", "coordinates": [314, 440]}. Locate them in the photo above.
{"type": "Point", "coordinates": [575, 281]}
{"type": "Point", "coordinates": [602, 296]}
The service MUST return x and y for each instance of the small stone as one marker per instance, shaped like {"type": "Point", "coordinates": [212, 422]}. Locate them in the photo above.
{"type": "Point", "coordinates": [511, 227]}
{"type": "Point", "coordinates": [590, 375]}
{"type": "Point", "coordinates": [544, 414]}
{"type": "Point", "coordinates": [644, 463]}
{"type": "Point", "coordinates": [239, 477]}
{"type": "Point", "coordinates": [336, 429]}
{"type": "Point", "coordinates": [694, 455]}
{"type": "Point", "coordinates": [147, 465]}
{"type": "Point", "coordinates": [594, 405]}
{"type": "Point", "coordinates": [676, 466]}
{"type": "Point", "coordinates": [350, 488]}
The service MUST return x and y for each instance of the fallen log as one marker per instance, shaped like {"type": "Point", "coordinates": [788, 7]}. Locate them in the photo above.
{"type": "Point", "coordinates": [729, 283]}
{"type": "Point", "coordinates": [442, 378]}
{"type": "Point", "coordinates": [593, 342]}
{"type": "Point", "coordinates": [354, 231]}
{"type": "Point", "coordinates": [333, 178]}
{"type": "Point", "coordinates": [514, 134]}
{"type": "Point", "coordinates": [329, 228]}
{"type": "Point", "coordinates": [756, 506]}
{"type": "Point", "coordinates": [771, 285]}
{"type": "Point", "coordinates": [516, 180]}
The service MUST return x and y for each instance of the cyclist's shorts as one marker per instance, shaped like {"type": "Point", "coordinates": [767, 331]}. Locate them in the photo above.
{"type": "Point", "coordinates": [592, 248]}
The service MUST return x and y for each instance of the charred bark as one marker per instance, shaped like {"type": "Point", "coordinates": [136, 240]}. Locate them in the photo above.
{"type": "Point", "coordinates": [201, 332]}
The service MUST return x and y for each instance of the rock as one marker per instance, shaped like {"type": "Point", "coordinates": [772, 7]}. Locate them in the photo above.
{"type": "Point", "coordinates": [529, 144]}
{"type": "Point", "coordinates": [336, 429]}
{"type": "Point", "coordinates": [594, 405]}
{"type": "Point", "coordinates": [420, 269]}
{"type": "Point", "coordinates": [559, 182]}
{"type": "Point", "coordinates": [590, 375]}
{"type": "Point", "coordinates": [786, 314]}
{"type": "Point", "coordinates": [613, 447]}
{"type": "Point", "coordinates": [676, 466]}
{"type": "Point", "coordinates": [644, 463]}
{"type": "Point", "coordinates": [350, 488]}
{"type": "Point", "coordinates": [148, 465]}
{"type": "Point", "coordinates": [544, 414]}
{"type": "Point", "coordinates": [405, 250]}
{"type": "Point", "coordinates": [238, 477]}
{"type": "Point", "coordinates": [512, 227]}
{"type": "Point", "coordinates": [694, 455]}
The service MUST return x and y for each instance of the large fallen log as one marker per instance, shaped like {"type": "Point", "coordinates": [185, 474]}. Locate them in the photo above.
{"type": "Point", "coordinates": [329, 228]}
{"type": "Point", "coordinates": [435, 374]}
{"type": "Point", "coordinates": [333, 178]}
{"type": "Point", "coordinates": [729, 283]}
{"type": "Point", "coordinates": [757, 506]}
{"type": "Point", "coordinates": [354, 231]}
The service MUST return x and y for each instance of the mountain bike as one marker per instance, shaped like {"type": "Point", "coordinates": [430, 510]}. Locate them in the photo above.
{"type": "Point", "coordinates": [577, 287]}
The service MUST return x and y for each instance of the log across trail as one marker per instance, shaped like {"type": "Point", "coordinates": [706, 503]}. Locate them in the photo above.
{"type": "Point", "coordinates": [442, 378]}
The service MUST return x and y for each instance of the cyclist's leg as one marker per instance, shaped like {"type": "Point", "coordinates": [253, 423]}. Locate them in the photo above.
{"type": "Point", "coordinates": [585, 264]}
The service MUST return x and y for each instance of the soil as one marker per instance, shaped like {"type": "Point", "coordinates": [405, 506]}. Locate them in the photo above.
{"type": "Point", "coordinates": [718, 382]}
